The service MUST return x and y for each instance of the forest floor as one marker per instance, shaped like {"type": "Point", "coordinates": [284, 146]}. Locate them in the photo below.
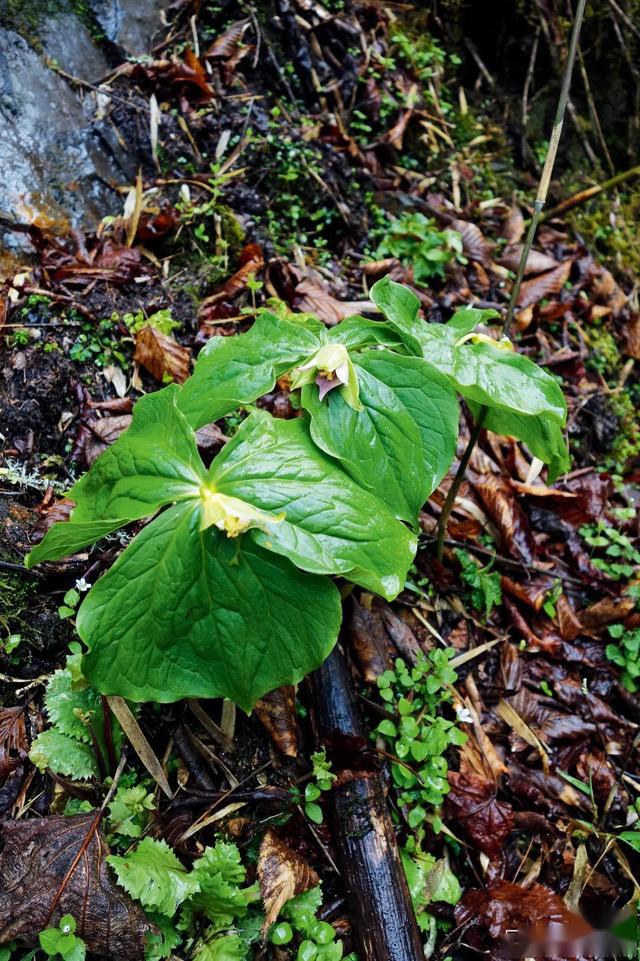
{"type": "Point", "coordinates": [293, 161]}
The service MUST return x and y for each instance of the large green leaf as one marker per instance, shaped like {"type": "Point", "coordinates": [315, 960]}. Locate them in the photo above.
{"type": "Point", "coordinates": [430, 399]}
{"type": "Point", "coordinates": [542, 435]}
{"type": "Point", "coordinates": [400, 306]}
{"type": "Point", "coordinates": [191, 613]}
{"type": "Point", "coordinates": [155, 462]}
{"type": "Point", "coordinates": [379, 445]}
{"type": "Point", "coordinates": [331, 525]}
{"type": "Point", "coordinates": [232, 371]}
{"type": "Point", "coordinates": [357, 332]}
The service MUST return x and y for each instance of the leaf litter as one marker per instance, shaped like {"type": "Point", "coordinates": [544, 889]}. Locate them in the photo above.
{"type": "Point", "coordinates": [547, 779]}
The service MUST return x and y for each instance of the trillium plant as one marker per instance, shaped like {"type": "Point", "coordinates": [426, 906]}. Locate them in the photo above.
{"type": "Point", "coordinates": [229, 589]}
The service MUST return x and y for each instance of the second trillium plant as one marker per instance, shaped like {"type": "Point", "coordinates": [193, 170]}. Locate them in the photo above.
{"type": "Point", "coordinates": [228, 591]}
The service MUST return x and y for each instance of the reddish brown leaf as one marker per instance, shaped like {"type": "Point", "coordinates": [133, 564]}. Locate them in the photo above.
{"type": "Point", "coordinates": [162, 355]}
{"type": "Point", "coordinates": [370, 641]}
{"type": "Point", "coordinates": [53, 866]}
{"type": "Point", "coordinates": [537, 262]}
{"type": "Point", "coordinates": [395, 136]}
{"type": "Point", "coordinates": [568, 622]}
{"type": "Point", "coordinates": [474, 244]}
{"type": "Point", "coordinates": [401, 634]}
{"type": "Point", "coordinates": [276, 712]}
{"type": "Point", "coordinates": [610, 610]}
{"type": "Point", "coordinates": [531, 592]}
{"type": "Point", "coordinates": [282, 874]}
{"type": "Point", "coordinates": [311, 297]}
{"type": "Point", "coordinates": [13, 739]}
{"type": "Point", "coordinates": [510, 916]}
{"type": "Point", "coordinates": [232, 287]}
{"type": "Point", "coordinates": [605, 289]}
{"type": "Point", "coordinates": [473, 804]}
{"type": "Point", "coordinates": [226, 44]}
{"type": "Point", "coordinates": [631, 336]}
{"type": "Point", "coordinates": [513, 226]}
{"type": "Point", "coordinates": [544, 285]}
{"type": "Point", "coordinates": [503, 507]}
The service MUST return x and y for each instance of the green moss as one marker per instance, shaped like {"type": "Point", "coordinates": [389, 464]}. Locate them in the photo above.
{"type": "Point", "coordinates": [627, 443]}
{"type": "Point", "coordinates": [604, 355]}
{"type": "Point", "coordinates": [610, 225]}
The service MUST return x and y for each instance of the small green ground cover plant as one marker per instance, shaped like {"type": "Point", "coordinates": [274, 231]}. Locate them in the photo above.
{"type": "Point", "coordinates": [228, 591]}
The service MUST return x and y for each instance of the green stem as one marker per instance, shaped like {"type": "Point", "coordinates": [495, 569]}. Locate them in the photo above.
{"type": "Point", "coordinates": [541, 197]}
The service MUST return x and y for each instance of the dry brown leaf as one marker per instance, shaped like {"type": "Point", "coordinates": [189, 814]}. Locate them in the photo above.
{"type": "Point", "coordinates": [312, 298]}
{"type": "Point", "coordinates": [605, 289]}
{"type": "Point", "coordinates": [104, 432]}
{"type": "Point", "coordinates": [53, 866]}
{"type": "Point", "coordinates": [276, 712]}
{"type": "Point", "coordinates": [544, 285]}
{"type": "Point", "coordinates": [537, 262]}
{"type": "Point", "coordinates": [225, 45]}
{"type": "Point", "coordinates": [162, 355]}
{"type": "Point", "coordinates": [395, 136]}
{"type": "Point", "coordinates": [474, 244]}
{"type": "Point", "coordinates": [513, 226]}
{"type": "Point", "coordinates": [631, 336]}
{"type": "Point", "coordinates": [138, 741]}
{"type": "Point", "coordinates": [568, 622]}
{"type": "Point", "coordinates": [370, 641]}
{"type": "Point", "coordinates": [283, 875]}
{"type": "Point", "coordinates": [13, 739]}
{"type": "Point", "coordinates": [235, 284]}
{"type": "Point", "coordinates": [504, 509]}
{"type": "Point", "coordinates": [610, 610]}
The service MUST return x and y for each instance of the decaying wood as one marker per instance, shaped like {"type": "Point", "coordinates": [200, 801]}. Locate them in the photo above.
{"type": "Point", "coordinates": [385, 927]}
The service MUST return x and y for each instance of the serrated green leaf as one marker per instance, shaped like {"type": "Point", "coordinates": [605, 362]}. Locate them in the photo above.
{"type": "Point", "coordinates": [232, 371]}
{"type": "Point", "coordinates": [221, 898]}
{"type": "Point", "coordinates": [331, 525]}
{"type": "Point", "coordinates": [63, 754]}
{"type": "Point", "coordinates": [379, 445]}
{"type": "Point", "coordinates": [242, 622]}
{"type": "Point", "coordinates": [225, 947]}
{"type": "Point", "coordinates": [153, 875]}
{"type": "Point", "coordinates": [67, 706]}
{"type": "Point", "coordinates": [429, 398]}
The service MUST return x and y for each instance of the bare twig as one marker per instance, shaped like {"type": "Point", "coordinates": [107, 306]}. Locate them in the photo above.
{"type": "Point", "coordinates": [541, 197]}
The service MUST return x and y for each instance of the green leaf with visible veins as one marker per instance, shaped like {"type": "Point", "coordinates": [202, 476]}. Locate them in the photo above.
{"type": "Point", "coordinates": [232, 371]}
{"type": "Point", "coordinates": [154, 876]}
{"type": "Point", "coordinates": [379, 445]}
{"type": "Point", "coordinates": [63, 754]}
{"type": "Point", "coordinates": [191, 613]}
{"type": "Point", "coordinates": [155, 462]}
{"type": "Point", "coordinates": [331, 525]}
{"type": "Point", "coordinates": [430, 399]}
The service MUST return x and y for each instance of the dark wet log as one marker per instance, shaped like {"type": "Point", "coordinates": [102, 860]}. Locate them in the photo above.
{"type": "Point", "coordinates": [385, 927]}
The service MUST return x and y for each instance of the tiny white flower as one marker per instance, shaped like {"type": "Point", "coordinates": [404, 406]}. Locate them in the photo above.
{"type": "Point", "coordinates": [464, 715]}
{"type": "Point", "coordinates": [82, 585]}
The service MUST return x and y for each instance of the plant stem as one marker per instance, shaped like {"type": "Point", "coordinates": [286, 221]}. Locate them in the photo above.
{"type": "Point", "coordinates": [541, 197]}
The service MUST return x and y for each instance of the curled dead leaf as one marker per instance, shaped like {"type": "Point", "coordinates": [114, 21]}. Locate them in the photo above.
{"type": "Point", "coordinates": [474, 244]}
{"type": "Point", "coordinates": [537, 262]}
{"type": "Point", "coordinates": [276, 712]}
{"type": "Point", "coordinates": [13, 739]}
{"type": "Point", "coordinates": [162, 355]}
{"type": "Point", "coordinates": [283, 875]}
{"type": "Point", "coordinates": [54, 866]}
{"type": "Point", "coordinates": [544, 285]}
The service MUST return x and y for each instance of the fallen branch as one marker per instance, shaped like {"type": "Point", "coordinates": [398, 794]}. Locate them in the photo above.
{"type": "Point", "coordinates": [385, 927]}
{"type": "Point", "coordinates": [583, 195]}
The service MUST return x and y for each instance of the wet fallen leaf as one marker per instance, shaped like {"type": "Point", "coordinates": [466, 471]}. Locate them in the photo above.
{"type": "Point", "coordinates": [472, 803]}
{"type": "Point", "coordinates": [537, 262]}
{"type": "Point", "coordinates": [503, 507]}
{"type": "Point", "coordinates": [610, 610]}
{"type": "Point", "coordinates": [103, 433]}
{"type": "Point", "coordinates": [162, 355]}
{"type": "Point", "coordinates": [13, 739]}
{"type": "Point", "coordinates": [276, 712]}
{"type": "Point", "coordinates": [544, 285]}
{"type": "Point", "coordinates": [514, 916]}
{"type": "Point", "coordinates": [513, 226]}
{"type": "Point", "coordinates": [54, 866]}
{"type": "Point", "coordinates": [474, 244]}
{"type": "Point", "coordinates": [282, 874]}
{"type": "Point", "coordinates": [370, 641]}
